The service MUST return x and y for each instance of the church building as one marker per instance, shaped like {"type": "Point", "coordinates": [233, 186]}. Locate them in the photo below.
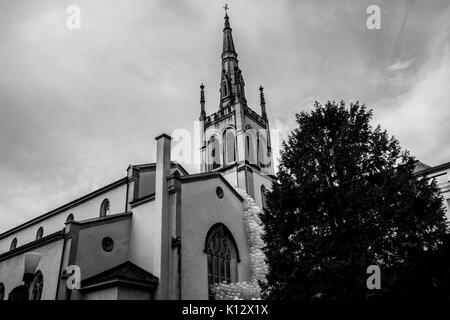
{"type": "Point", "coordinates": [159, 232]}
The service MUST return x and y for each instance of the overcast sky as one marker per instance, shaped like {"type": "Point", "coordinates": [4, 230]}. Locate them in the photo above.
{"type": "Point", "coordinates": [79, 106]}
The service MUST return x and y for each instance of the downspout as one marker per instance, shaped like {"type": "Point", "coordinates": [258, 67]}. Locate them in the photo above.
{"type": "Point", "coordinates": [126, 195]}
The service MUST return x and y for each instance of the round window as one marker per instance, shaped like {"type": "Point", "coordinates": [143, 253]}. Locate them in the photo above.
{"type": "Point", "coordinates": [219, 192]}
{"type": "Point", "coordinates": [107, 244]}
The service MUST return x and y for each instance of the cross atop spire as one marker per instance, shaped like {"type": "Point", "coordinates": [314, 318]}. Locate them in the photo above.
{"type": "Point", "coordinates": [226, 8]}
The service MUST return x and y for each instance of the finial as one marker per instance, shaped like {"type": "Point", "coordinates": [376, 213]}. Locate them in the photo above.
{"type": "Point", "coordinates": [202, 102]}
{"type": "Point", "coordinates": [202, 93]}
{"type": "Point", "coordinates": [262, 101]}
{"type": "Point", "coordinates": [261, 95]}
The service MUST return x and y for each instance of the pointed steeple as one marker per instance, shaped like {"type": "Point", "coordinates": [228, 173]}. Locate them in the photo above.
{"type": "Point", "coordinates": [228, 43]}
{"type": "Point", "coordinates": [231, 83]}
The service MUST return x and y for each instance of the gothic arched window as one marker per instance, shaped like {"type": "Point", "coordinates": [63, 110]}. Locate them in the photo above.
{"type": "Point", "coordinates": [263, 195]}
{"type": "Point", "coordinates": [2, 291]}
{"type": "Point", "coordinates": [263, 156]}
{"type": "Point", "coordinates": [251, 139]}
{"type": "Point", "coordinates": [222, 255]}
{"type": "Point", "coordinates": [13, 244]}
{"type": "Point", "coordinates": [104, 208]}
{"type": "Point", "coordinates": [40, 233]}
{"type": "Point", "coordinates": [229, 154]}
{"type": "Point", "coordinates": [213, 153]}
{"type": "Point", "coordinates": [70, 218]}
{"type": "Point", "coordinates": [36, 286]}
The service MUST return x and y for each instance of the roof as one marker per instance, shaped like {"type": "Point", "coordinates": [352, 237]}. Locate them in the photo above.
{"type": "Point", "coordinates": [102, 220]}
{"type": "Point", "coordinates": [173, 164]}
{"type": "Point", "coordinates": [430, 170]}
{"type": "Point", "coordinates": [126, 274]}
{"type": "Point", "coordinates": [59, 235]}
{"type": "Point", "coordinates": [82, 199]}
{"type": "Point", "coordinates": [65, 207]}
{"type": "Point", "coordinates": [209, 175]}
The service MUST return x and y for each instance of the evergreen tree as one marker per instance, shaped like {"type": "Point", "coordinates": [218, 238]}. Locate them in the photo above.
{"type": "Point", "coordinates": [346, 197]}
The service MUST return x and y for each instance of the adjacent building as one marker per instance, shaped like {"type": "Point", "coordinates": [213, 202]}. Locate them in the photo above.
{"type": "Point", "coordinates": [441, 174]}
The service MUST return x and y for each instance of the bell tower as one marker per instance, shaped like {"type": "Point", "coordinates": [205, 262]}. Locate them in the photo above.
{"type": "Point", "coordinates": [235, 140]}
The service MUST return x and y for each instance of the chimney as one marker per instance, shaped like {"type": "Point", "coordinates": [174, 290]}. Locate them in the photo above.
{"type": "Point", "coordinates": [162, 242]}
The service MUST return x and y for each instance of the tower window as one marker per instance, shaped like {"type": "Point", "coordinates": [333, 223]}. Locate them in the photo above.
{"type": "Point", "coordinates": [251, 142]}
{"type": "Point", "coordinates": [13, 244]}
{"type": "Point", "coordinates": [104, 208]}
{"type": "Point", "coordinates": [40, 233]}
{"type": "Point", "coordinates": [222, 256]}
{"type": "Point", "coordinates": [214, 154]}
{"type": "Point", "coordinates": [229, 147]}
{"type": "Point", "coordinates": [262, 150]}
{"type": "Point", "coordinates": [263, 196]}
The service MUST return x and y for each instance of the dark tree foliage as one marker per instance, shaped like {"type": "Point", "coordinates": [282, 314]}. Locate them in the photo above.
{"type": "Point", "coordinates": [346, 197]}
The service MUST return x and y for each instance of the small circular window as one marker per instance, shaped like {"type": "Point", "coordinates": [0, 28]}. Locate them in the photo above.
{"type": "Point", "coordinates": [219, 192]}
{"type": "Point", "coordinates": [107, 244]}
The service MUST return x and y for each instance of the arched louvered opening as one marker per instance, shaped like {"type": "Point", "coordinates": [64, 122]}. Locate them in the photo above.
{"type": "Point", "coordinates": [251, 143]}
{"type": "Point", "coordinates": [213, 153]}
{"type": "Point", "coordinates": [262, 150]}
{"type": "Point", "coordinates": [229, 146]}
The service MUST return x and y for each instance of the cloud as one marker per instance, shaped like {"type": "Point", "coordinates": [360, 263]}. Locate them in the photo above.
{"type": "Point", "coordinates": [400, 65]}
{"type": "Point", "coordinates": [78, 106]}
{"type": "Point", "coordinates": [420, 118]}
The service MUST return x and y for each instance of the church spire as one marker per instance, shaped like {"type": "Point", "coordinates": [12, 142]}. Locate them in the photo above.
{"type": "Point", "coordinates": [228, 44]}
{"type": "Point", "coordinates": [232, 83]}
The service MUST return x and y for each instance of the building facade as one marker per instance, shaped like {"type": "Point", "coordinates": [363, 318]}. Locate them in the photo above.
{"type": "Point", "coordinates": [441, 174]}
{"type": "Point", "coordinates": [159, 232]}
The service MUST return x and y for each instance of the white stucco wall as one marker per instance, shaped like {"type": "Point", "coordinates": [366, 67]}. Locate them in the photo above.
{"type": "Point", "coordinates": [143, 236]}
{"type": "Point", "coordinates": [201, 209]}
